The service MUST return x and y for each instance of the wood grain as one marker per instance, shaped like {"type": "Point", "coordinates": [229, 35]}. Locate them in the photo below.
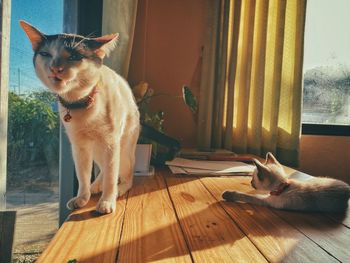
{"type": "Point", "coordinates": [182, 219]}
{"type": "Point", "coordinates": [87, 236]}
{"type": "Point", "coordinates": [151, 231]}
{"type": "Point", "coordinates": [274, 237]}
{"type": "Point", "coordinates": [328, 234]}
{"type": "Point", "coordinates": [211, 234]}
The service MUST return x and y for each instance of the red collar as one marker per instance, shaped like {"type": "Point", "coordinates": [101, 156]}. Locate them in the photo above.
{"type": "Point", "coordinates": [83, 103]}
{"type": "Point", "coordinates": [280, 189]}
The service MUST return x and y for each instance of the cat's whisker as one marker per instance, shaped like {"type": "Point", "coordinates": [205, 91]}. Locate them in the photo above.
{"type": "Point", "coordinates": [71, 44]}
{"type": "Point", "coordinates": [91, 34]}
{"type": "Point", "coordinates": [82, 40]}
{"type": "Point", "coordinates": [77, 44]}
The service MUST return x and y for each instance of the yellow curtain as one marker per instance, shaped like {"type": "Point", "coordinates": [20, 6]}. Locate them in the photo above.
{"type": "Point", "coordinates": [252, 104]}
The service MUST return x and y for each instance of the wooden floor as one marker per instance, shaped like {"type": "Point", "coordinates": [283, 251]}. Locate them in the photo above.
{"type": "Point", "coordinates": [181, 219]}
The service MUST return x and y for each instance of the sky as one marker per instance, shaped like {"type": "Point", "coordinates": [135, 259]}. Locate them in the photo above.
{"type": "Point", "coordinates": [47, 16]}
{"type": "Point", "coordinates": [327, 35]}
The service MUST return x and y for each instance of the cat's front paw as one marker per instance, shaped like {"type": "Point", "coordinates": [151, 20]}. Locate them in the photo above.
{"type": "Point", "coordinates": [78, 201]}
{"type": "Point", "coordinates": [106, 206]}
{"type": "Point", "coordinates": [229, 195]}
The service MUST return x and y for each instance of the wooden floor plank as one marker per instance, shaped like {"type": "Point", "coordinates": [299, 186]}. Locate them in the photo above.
{"type": "Point", "coordinates": [151, 231]}
{"type": "Point", "coordinates": [181, 219]}
{"type": "Point", "coordinates": [327, 233]}
{"type": "Point", "coordinates": [210, 232]}
{"type": "Point", "coordinates": [87, 236]}
{"type": "Point", "coordinates": [275, 238]}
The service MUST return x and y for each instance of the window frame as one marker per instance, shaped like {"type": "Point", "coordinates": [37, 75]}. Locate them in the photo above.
{"type": "Point", "coordinates": [5, 16]}
{"type": "Point", "coordinates": [80, 17]}
{"type": "Point", "coordinates": [325, 129]}
{"type": "Point", "coordinates": [320, 128]}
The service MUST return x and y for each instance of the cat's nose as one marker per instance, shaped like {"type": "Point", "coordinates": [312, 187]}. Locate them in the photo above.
{"type": "Point", "coordinates": [56, 69]}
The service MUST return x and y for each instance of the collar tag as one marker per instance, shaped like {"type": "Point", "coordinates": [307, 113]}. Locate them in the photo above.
{"type": "Point", "coordinates": [84, 103]}
{"type": "Point", "coordinates": [67, 117]}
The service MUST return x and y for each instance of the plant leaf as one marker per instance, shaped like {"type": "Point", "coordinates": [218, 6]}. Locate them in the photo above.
{"type": "Point", "coordinates": [140, 90]}
{"type": "Point", "coordinates": [189, 99]}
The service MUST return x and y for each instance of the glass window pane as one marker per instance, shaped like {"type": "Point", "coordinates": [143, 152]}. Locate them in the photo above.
{"type": "Point", "coordinates": [33, 134]}
{"type": "Point", "coordinates": [327, 63]}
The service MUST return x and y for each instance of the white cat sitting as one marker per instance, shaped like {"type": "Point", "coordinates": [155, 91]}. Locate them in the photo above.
{"type": "Point", "coordinates": [316, 194]}
{"type": "Point", "coordinates": [96, 107]}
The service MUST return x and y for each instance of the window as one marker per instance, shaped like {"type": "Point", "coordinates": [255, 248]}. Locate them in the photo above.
{"type": "Point", "coordinates": [33, 134]}
{"type": "Point", "coordinates": [326, 98]}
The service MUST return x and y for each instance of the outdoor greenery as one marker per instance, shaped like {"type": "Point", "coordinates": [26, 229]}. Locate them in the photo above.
{"type": "Point", "coordinates": [33, 135]}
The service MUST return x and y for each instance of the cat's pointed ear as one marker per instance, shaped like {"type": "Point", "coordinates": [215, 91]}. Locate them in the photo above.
{"type": "Point", "coordinates": [270, 159]}
{"type": "Point", "coordinates": [34, 35]}
{"type": "Point", "coordinates": [104, 45]}
{"type": "Point", "coordinates": [261, 169]}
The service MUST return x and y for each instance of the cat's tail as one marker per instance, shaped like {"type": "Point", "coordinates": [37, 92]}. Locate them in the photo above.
{"type": "Point", "coordinates": [227, 195]}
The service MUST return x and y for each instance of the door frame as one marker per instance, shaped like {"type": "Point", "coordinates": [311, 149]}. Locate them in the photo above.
{"type": "Point", "coordinates": [5, 15]}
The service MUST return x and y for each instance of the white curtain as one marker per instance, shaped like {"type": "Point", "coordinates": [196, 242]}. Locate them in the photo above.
{"type": "Point", "coordinates": [119, 16]}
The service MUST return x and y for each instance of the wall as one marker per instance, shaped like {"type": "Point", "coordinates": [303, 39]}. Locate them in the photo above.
{"type": "Point", "coordinates": [326, 156]}
{"type": "Point", "coordinates": [166, 54]}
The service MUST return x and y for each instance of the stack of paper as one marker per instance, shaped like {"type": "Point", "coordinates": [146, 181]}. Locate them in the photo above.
{"type": "Point", "coordinates": [194, 167]}
{"type": "Point", "coordinates": [194, 154]}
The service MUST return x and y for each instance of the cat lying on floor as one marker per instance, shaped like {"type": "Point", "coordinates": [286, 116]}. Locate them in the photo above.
{"type": "Point", "coordinates": [316, 194]}
{"type": "Point", "coordinates": [96, 107]}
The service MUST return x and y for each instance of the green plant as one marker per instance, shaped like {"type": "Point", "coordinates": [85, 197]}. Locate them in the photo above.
{"type": "Point", "coordinates": [189, 99]}
{"type": "Point", "coordinates": [143, 94]}
{"type": "Point", "coordinates": [33, 130]}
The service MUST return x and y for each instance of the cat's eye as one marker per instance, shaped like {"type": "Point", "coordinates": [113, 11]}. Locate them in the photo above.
{"type": "Point", "coordinates": [76, 57]}
{"type": "Point", "coordinates": [44, 54]}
